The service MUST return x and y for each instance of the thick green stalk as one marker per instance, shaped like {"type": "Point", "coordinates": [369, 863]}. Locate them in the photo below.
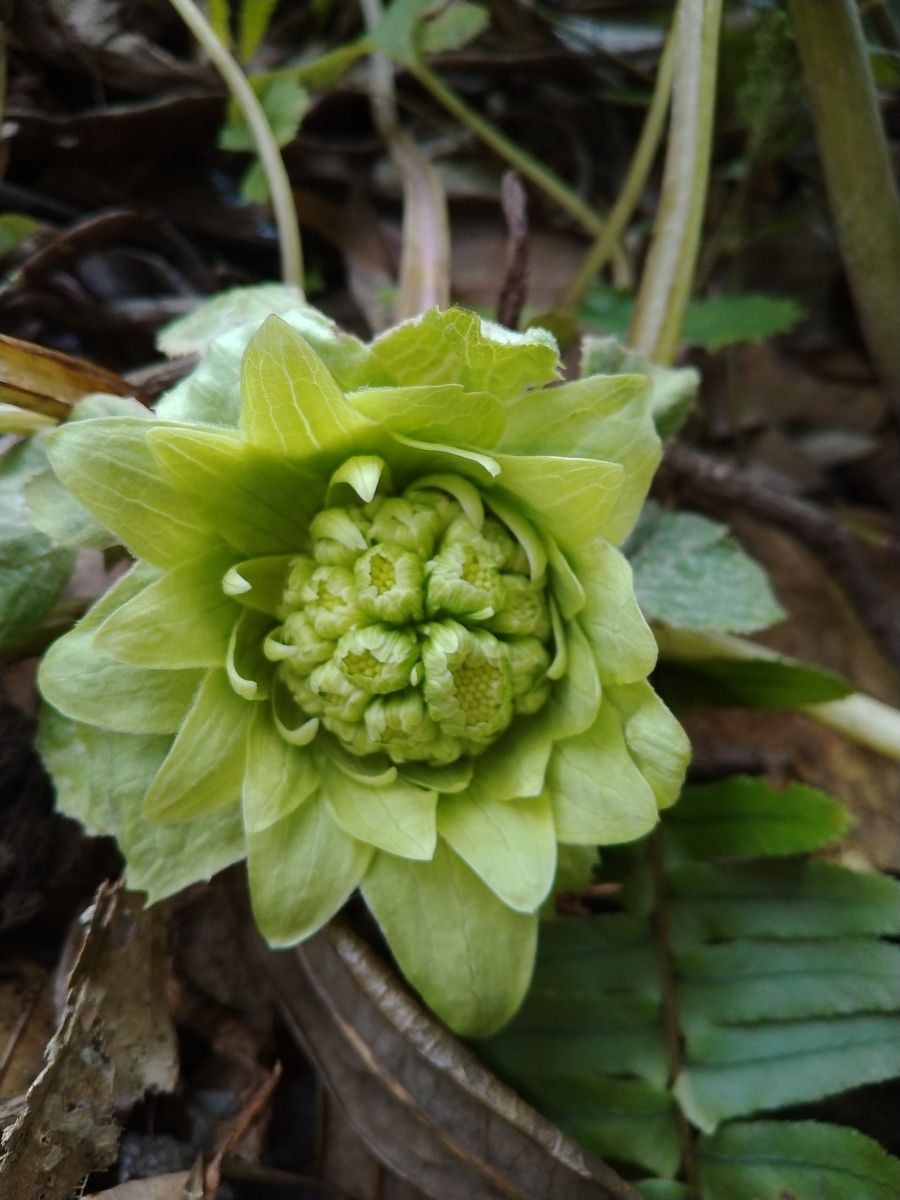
{"type": "Point", "coordinates": [668, 276]}
{"type": "Point", "coordinates": [264, 140]}
{"type": "Point", "coordinates": [858, 174]}
{"type": "Point", "coordinates": [633, 184]}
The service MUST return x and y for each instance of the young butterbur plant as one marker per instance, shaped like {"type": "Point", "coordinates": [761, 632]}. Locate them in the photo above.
{"type": "Point", "coordinates": [377, 635]}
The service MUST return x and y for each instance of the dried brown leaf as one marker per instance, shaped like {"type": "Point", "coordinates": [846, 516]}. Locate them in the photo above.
{"type": "Point", "coordinates": [418, 1098]}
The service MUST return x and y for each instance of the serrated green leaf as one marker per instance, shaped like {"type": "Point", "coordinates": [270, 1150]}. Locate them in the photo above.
{"type": "Point", "coordinates": [396, 34]}
{"type": "Point", "coordinates": [398, 817]}
{"type": "Point", "coordinates": [435, 412]}
{"type": "Point", "coordinates": [107, 464]}
{"type": "Point", "coordinates": [751, 317]}
{"type": "Point", "coordinates": [806, 1160]}
{"type": "Point", "coordinates": [712, 324]}
{"type": "Point", "coordinates": [291, 404]}
{"type": "Point", "coordinates": [285, 102]}
{"type": "Point", "coordinates": [453, 27]}
{"type": "Point", "coordinates": [689, 572]}
{"type": "Point", "coordinates": [32, 574]}
{"type": "Point", "coordinates": [743, 815]}
{"type": "Point", "coordinates": [448, 930]}
{"type": "Point", "coordinates": [291, 895]}
{"type": "Point", "coordinates": [673, 390]}
{"type": "Point", "coordinates": [458, 346]}
{"type": "Point", "coordinates": [510, 844]}
{"type": "Point", "coordinates": [86, 686]}
{"type": "Point", "coordinates": [604, 417]}
{"type": "Point", "coordinates": [255, 501]}
{"type": "Point", "coordinates": [211, 318]}
{"type": "Point", "coordinates": [101, 778]}
{"type": "Point", "coordinates": [732, 1072]}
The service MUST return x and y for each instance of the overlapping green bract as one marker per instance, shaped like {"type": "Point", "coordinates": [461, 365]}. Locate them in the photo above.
{"type": "Point", "coordinates": [377, 614]}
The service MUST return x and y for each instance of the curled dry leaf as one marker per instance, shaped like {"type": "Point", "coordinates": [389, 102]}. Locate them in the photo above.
{"type": "Point", "coordinates": [421, 1101]}
{"type": "Point", "coordinates": [113, 1043]}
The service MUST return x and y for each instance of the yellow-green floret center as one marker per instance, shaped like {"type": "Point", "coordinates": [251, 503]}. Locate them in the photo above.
{"type": "Point", "coordinates": [413, 626]}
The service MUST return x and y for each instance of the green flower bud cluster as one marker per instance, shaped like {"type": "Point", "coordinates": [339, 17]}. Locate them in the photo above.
{"type": "Point", "coordinates": [413, 627]}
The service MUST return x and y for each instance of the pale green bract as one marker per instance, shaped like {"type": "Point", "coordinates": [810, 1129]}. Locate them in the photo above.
{"type": "Point", "coordinates": [377, 636]}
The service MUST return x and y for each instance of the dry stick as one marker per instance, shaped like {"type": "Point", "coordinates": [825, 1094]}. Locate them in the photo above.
{"type": "Point", "coordinates": [425, 256]}
{"type": "Point", "coordinates": [861, 186]}
{"type": "Point", "coordinates": [723, 483]}
{"type": "Point", "coordinates": [668, 276]}
{"type": "Point", "coordinates": [515, 280]}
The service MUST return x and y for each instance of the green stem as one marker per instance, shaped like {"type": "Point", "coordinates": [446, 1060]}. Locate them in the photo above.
{"type": "Point", "coordinates": [861, 718]}
{"type": "Point", "coordinates": [519, 159]}
{"type": "Point", "coordinates": [666, 283]}
{"type": "Point", "coordinates": [633, 185]}
{"type": "Point", "coordinates": [858, 174]}
{"type": "Point", "coordinates": [264, 140]}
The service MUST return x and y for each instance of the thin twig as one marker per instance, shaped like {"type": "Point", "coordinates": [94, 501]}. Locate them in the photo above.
{"type": "Point", "coordinates": [515, 279]}
{"type": "Point", "coordinates": [669, 995]}
{"type": "Point", "coordinates": [261, 131]}
{"type": "Point", "coordinates": [718, 481]}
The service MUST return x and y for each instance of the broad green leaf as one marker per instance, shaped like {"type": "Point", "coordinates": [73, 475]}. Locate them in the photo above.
{"type": "Point", "coordinates": [743, 815]}
{"type": "Point", "coordinates": [398, 817]}
{"type": "Point", "coordinates": [732, 1072]}
{"type": "Point", "coordinates": [806, 1160]}
{"type": "Point", "coordinates": [453, 27]}
{"type": "Point", "coordinates": [56, 512]}
{"type": "Point", "coordinates": [780, 900]}
{"type": "Point", "coordinates": [183, 619]}
{"type": "Point", "coordinates": [278, 777]}
{"type": "Point", "coordinates": [598, 794]}
{"type": "Point", "coordinates": [291, 404]}
{"type": "Point", "coordinates": [434, 412]}
{"type": "Point", "coordinates": [302, 869]}
{"type": "Point", "coordinates": [569, 498]}
{"type": "Point", "coordinates": [510, 844]}
{"type": "Point", "coordinates": [619, 636]}
{"type": "Point", "coordinates": [662, 1189]}
{"type": "Point", "coordinates": [193, 333]}
{"type": "Point", "coordinates": [758, 980]}
{"type": "Point", "coordinates": [573, 704]}
{"type": "Point", "coordinates": [444, 778]}
{"type": "Point", "coordinates": [101, 778]}
{"type": "Point", "coordinates": [701, 668]}
{"type": "Point", "coordinates": [32, 574]}
{"type": "Point", "coordinates": [712, 324]}
{"type": "Point", "coordinates": [564, 583]}
{"type": "Point", "coordinates": [673, 389]}
{"type": "Point", "coordinates": [285, 102]}
{"type": "Point", "coordinates": [515, 766]}
{"type": "Point", "coordinates": [106, 463]}
{"type": "Point", "coordinates": [604, 417]}
{"type": "Point", "coordinates": [689, 572]}
{"type": "Point", "coordinates": [457, 346]}
{"type": "Point", "coordinates": [654, 738]}
{"type": "Point", "coordinates": [87, 686]}
{"type": "Point", "coordinates": [15, 228]}
{"type": "Point", "coordinates": [202, 772]}
{"type": "Point", "coordinates": [257, 502]}
{"type": "Point", "coordinates": [458, 945]}
{"type": "Point", "coordinates": [396, 34]}
{"type": "Point", "coordinates": [751, 317]}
